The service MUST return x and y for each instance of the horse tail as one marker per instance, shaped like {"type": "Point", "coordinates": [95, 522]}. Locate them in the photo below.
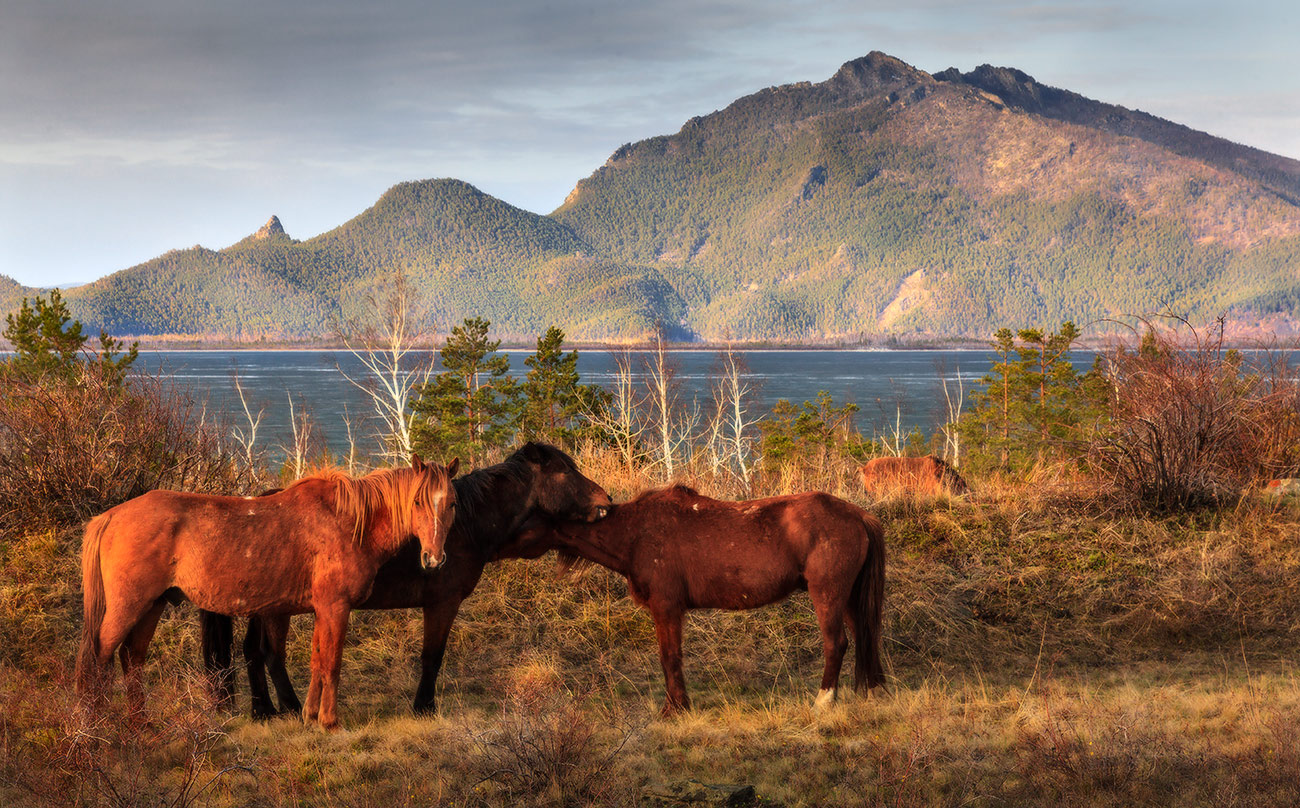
{"type": "Point", "coordinates": [218, 636]}
{"type": "Point", "coordinates": [868, 600]}
{"type": "Point", "coordinates": [93, 604]}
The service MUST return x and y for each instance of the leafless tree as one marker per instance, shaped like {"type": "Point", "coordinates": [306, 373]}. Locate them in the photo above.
{"type": "Point", "coordinates": [384, 345]}
{"type": "Point", "coordinates": [620, 420]}
{"type": "Point", "coordinates": [671, 428]}
{"type": "Point", "coordinates": [728, 434]}
{"type": "Point", "coordinates": [954, 398]}
{"type": "Point", "coordinates": [246, 437]}
{"type": "Point", "coordinates": [302, 428]}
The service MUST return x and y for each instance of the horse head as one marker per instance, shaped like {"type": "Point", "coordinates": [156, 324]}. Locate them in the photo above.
{"type": "Point", "coordinates": [562, 491]}
{"type": "Point", "coordinates": [434, 510]}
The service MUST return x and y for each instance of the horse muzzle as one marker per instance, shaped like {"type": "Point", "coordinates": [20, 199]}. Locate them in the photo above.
{"type": "Point", "coordinates": [597, 513]}
{"type": "Point", "coordinates": [427, 561]}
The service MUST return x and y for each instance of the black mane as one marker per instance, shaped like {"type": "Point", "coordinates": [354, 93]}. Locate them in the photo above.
{"type": "Point", "coordinates": [482, 489]}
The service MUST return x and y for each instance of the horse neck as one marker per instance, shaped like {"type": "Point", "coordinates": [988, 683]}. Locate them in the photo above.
{"type": "Point", "coordinates": [381, 538]}
{"type": "Point", "coordinates": [597, 542]}
{"type": "Point", "coordinates": [501, 502]}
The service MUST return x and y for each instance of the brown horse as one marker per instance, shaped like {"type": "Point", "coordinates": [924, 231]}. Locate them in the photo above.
{"type": "Point", "coordinates": [314, 547]}
{"type": "Point", "coordinates": [537, 481]}
{"type": "Point", "coordinates": [680, 551]}
{"type": "Point", "coordinates": [925, 476]}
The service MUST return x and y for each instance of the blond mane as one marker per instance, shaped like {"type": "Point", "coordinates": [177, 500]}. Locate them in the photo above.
{"type": "Point", "coordinates": [398, 492]}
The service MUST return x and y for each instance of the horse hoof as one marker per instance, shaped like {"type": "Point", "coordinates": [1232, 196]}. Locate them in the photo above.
{"type": "Point", "coordinates": [672, 710]}
{"type": "Point", "coordinates": [825, 699]}
{"type": "Point", "coordinates": [430, 708]}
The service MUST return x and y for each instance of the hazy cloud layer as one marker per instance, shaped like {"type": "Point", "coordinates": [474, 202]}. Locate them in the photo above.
{"type": "Point", "coordinates": [133, 126]}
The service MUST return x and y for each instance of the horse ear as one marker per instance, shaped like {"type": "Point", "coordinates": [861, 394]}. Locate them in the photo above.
{"type": "Point", "coordinates": [533, 453]}
{"type": "Point", "coordinates": [416, 462]}
{"type": "Point", "coordinates": [452, 466]}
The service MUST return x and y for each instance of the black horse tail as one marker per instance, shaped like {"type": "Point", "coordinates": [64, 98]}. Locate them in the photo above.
{"type": "Point", "coordinates": [218, 636]}
{"type": "Point", "coordinates": [868, 600]}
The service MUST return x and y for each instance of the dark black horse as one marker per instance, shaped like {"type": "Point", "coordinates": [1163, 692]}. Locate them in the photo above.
{"type": "Point", "coordinates": [493, 504]}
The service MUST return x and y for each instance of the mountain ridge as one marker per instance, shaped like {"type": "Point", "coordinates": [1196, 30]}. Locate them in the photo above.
{"type": "Point", "coordinates": [883, 202]}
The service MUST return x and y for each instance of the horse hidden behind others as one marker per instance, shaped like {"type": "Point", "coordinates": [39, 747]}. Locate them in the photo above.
{"type": "Point", "coordinates": [313, 547]}
{"type": "Point", "coordinates": [681, 551]}
{"type": "Point", "coordinates": [923, 476]}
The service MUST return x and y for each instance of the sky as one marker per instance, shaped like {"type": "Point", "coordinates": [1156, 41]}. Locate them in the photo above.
{"type": "Point", "coordinates": [131, 127]}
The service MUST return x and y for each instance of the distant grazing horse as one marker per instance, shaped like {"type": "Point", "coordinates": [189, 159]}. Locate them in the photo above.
{"type": "Point", "coordinates": [680, 551]}
{"type": "Point", "coordinates": [927, 476]}
{"type": "Point", "coordinates": [538, 480]}
{"type": "Point", "coordinates": [314, 547]}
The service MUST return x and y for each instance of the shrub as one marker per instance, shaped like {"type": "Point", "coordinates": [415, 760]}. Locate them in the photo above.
{"type": "Point", "coordinates": [1192, 424]}
{"type": "Point", "coordinates": [72, 448]}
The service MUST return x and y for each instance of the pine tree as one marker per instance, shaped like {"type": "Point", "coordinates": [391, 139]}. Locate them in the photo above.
{"type": "Point", "coordinates": [555, 401]}
{"type": "Point", "coordinates": [48, 342]}
{"type": "Point", "coordinates": [473, 406]}
{"type": "Point", "coordinates": [1034, 401]}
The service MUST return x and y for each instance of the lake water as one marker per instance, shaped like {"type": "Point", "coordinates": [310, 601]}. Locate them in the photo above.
{"type": "Point", "coordinates": [889, 386]}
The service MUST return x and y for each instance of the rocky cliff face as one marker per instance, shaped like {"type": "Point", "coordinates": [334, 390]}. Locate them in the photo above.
{"type": "Point", "coordinates": [272, 229]}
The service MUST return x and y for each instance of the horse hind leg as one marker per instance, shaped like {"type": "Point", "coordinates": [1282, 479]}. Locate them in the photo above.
{"type": "Point", "coordinates": [218, 635]}
{"type": "Point", "coordinates": [133, 652]}
{"type": "Point", "coordinates": [830, 617]}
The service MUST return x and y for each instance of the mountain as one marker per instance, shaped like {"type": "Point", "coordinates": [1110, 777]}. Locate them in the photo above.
{"type": "Point", "coordinates": [889, 201]}
{"type": "Point", "coordinates": [468, 254]}
{"type": "Point", "coordinates": [882, 202]}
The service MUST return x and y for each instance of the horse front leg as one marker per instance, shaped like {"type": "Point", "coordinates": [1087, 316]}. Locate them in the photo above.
{"type": "Point", "coordinates": [277, 639]}
{"type": "Point", "coordinates": [255, 655]}
{"type": "Point", "coordinates": [668, 629]}
{"type": "Point", "coordinates": [438, 618]}
{"type": "Point", "coordinates": [332, 628]}
{"type": "Point", "coordinates": [311, 710]}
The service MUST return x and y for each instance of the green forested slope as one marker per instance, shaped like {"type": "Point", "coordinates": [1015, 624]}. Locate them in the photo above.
{"type": "Point", "coordinates": [885, 201]}
{"type": "Point", "coordinates": [468, 254]}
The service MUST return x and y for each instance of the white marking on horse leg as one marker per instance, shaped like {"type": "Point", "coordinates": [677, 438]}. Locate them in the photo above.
{"type": "Point", "coordinates": [825, 698]}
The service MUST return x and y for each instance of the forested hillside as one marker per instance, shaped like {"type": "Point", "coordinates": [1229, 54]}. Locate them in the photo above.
{"type": "Point", "coordinates": [882, 202]}
{"type": "Point", "coordinates": [467, 253]}
{"type": "Point", "coordinates": [887, 201]}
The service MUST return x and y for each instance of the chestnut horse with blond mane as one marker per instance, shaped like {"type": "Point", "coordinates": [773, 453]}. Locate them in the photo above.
{"type": "Point", "coordinates": [679, 550]}
{"type": "Point", "coordinates": [313, 547]}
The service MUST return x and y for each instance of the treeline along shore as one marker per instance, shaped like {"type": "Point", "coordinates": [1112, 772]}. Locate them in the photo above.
{"type": "Point", "coordinates": [1104, 612]}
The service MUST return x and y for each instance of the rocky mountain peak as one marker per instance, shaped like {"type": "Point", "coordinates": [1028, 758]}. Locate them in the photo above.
{"type": "Point", "coordinates": [271, 229]}
{"type": "Point", "coordinates": [875, 72]}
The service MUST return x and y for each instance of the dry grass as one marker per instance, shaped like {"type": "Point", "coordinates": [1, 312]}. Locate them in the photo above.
{"type": "Point", "coordinates": [1042, 650]}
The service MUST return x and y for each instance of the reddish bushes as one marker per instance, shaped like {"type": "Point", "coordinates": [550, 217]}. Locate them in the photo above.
{"type": "Point", "coordinates": [1190, 425]}
{"type": "Point", "coordinates": [73, 447]}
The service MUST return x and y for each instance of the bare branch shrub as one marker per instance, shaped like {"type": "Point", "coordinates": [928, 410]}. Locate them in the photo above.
{"type": "Point", "coordinates": [545, 748]}
{"type": "Point", "coordinates": [54, 753]}
{"type": "Point", "coordinates": [384, 344]}
{"type": "Point", "coordinates": [1192, 424]}
{"type": "Point", "coordinates": [72, 449]}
